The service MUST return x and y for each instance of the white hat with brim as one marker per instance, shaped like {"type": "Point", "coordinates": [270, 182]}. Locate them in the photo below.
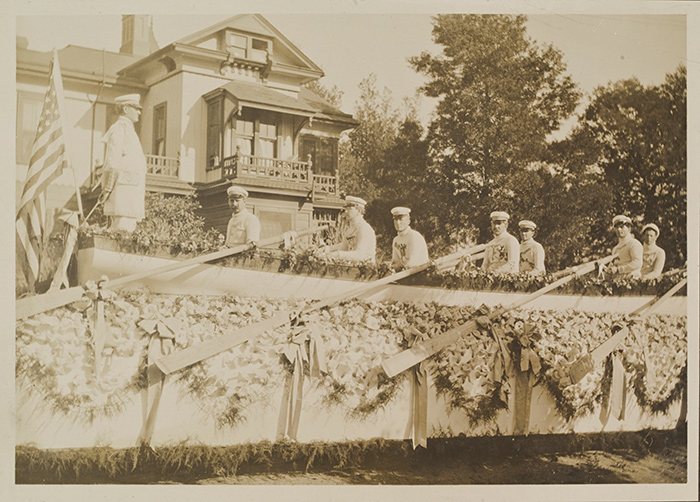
{"type": "Point", "coordinates": [355, 201]}
{"type": "Point", "coordinates": [400, 211]}
{"type": "Point", "coordinates": [527, 225]}
{"type": "Point", "coordinates": [652, 227]}
{"type": "Point", "coordinates": [129, 99]}
{"type": "Point", "coordinates": [621, 218]}
{"type": "Point", "coordinates": [500, 216]}
{"type": "Point", "coordinates": [235, 191]}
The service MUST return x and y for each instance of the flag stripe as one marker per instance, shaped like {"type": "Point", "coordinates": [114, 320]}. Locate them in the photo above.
{"type": "Point", "coordinates": [47, 163]}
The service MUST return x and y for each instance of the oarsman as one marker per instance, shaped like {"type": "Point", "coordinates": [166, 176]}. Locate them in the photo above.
{"type": "Point", "coordinates": [124, 173]}
{"type": "Point", "coordinates": [359, 242]}
{"type": "Point", "coordinates": [502, 254]}
{"type": "Point", "coordinates": [628, 250]}
{"type": "Point", "coordinates": [244, 226]}
{"type": "Point", "coordinates": [653, 257]}
{"type": "Point", "coordinates": [408, 248]}
{"type": "Point", "coordinates": [531, 251]}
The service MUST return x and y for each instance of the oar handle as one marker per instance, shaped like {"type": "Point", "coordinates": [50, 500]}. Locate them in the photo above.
{"type": "Point", "coordinates": [205, 258]}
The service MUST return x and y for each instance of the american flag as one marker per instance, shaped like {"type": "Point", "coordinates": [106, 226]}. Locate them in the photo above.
{"type": "Point", "coordinates": [47, 162]}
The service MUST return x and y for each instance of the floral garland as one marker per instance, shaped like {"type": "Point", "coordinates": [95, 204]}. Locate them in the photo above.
{"type": "Point", "coordinates": [55, 355]}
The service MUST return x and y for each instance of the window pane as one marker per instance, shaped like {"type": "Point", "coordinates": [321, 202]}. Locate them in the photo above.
{"type": "Point", "coordinates": [28, 113]}
{"type": "Point", "coordinates": [260, 45]}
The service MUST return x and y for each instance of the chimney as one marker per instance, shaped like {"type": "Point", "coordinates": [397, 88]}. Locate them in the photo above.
{"type": "Point", "coordinates": [137, 35]}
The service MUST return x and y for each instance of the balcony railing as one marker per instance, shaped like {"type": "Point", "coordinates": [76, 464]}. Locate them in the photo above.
{"type": "Point", "coordinates": [164, 166]}
{"type": "Point", "coordinates": [266, 168]}
{"type": "Point", "coordinates": [325, 184]}
{"type": "Point", "coordinates": [298, 174]}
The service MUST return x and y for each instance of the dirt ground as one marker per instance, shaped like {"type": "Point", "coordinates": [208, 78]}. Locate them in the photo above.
{"type": "Point", "coordinates": [590, 467]}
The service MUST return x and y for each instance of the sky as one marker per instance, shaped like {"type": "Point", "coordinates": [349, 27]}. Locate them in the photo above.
{"type": "Point", "coordinates": [349, 47]}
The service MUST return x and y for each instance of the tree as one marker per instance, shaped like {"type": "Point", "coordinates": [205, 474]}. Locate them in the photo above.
{"type": "Point", "coordinates": [640, 136]}
{"type": "Point", "coordinates": [367, 143]}
{"type": "Point", "coordinates": [500, 95]}
{"type": "Point", "coordinates": [333, 95]}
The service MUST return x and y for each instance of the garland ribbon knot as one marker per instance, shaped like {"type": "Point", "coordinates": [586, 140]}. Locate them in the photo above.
{"type": "Point", "coordinates": [614, 396]}
{"type": "Point", "coordinates": [162, 334]}
{"type": "Point", "coordinates": [94, 298]}
{"type": "Point", "coordinates": [305, 346]}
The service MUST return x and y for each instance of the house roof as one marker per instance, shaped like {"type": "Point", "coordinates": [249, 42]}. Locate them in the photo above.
{"type": "Point", "coordinates": [264, 97]}
{"type": "Point", "coordinates": [324, 110]}
{"type": "Point", "coordinates": [257, 24]}
{"type": "Point", "coordinates": [76, 60]}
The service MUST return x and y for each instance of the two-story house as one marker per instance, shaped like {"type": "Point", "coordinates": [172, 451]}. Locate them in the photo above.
{"type": "Point", "coordinates": [224, 105]}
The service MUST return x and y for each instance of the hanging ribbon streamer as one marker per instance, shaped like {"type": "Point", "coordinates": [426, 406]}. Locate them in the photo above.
{"type": "Point", "coordinates": [305, 346]}
{"type": "Point", "coordinates": [526, 369]}
{"type": "Point", "coordinates": [95, 296]}
{"type": "Point", "coordinates": [162, 334]}
{"type": "Point", "coordinates": [418, 419]}
{"type": "Point", "coordinates": [615, 399]}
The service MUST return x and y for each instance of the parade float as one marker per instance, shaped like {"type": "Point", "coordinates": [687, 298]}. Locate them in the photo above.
{"type": "Point", "coordinates": [242, 345]}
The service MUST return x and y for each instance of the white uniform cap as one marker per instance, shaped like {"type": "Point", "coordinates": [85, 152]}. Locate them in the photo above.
{"type": "Point", "coordinates": [235, 191]}
{"type": "Point", "coordinates": [652, 226]}
{"type": "Point", "coordinates": [527, 224]}
{"type": "Point", "coordinates": [356, 201]}
{"type": "Point", "coordinates": [129, 99]}
{"type": "Point", "coordinates": [621, 218]}
{"type": "Point", "coordinates": [400, 211]}
{"type": "Point", "coordinates": [500, 215]}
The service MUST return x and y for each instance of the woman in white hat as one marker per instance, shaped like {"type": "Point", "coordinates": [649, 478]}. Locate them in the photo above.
{"type": "Point", "coordinates": [124, 173]}
{"type": "Point", "coordinates": [653, 257]}
{"type": "Point", "coordinates": [628, 250]}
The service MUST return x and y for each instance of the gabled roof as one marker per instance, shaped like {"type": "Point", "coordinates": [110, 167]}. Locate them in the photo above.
{"type": "Point", "coordinates": [257, 24]}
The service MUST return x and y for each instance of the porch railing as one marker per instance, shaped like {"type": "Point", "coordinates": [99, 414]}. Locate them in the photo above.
{"type": "Point", "coordinates": [267, 168]}
{"type": "Point", "coordinates": [164, 166]}
{"type": "Point", "coordinates": [325, 184]}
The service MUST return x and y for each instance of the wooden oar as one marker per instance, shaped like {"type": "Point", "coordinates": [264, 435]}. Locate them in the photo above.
{"type": "Point", "coordinates": [584, 364]}
{"type": "Point", "coordinates": [183, 358]}
{"type": "Point", "coordinates": [420, 351]}
{"type": "Point", "coordinates": [25, 307]}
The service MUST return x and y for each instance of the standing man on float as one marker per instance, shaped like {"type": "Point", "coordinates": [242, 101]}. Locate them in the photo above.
{"type": "Point", "coordinates": [629, 250]}
{"type": "Point", "coordinates": [531, 251]}
{"type": "Point", "coordinates": [359, 242]}
{"type": "Point", "coordinates": [408, 249]}
{"type": "Point", "coordinates": [244, 226]}
{"type": "Point", "coordinates": [124, 175]}
{"type": "Point", "coordinates": [502, 254]}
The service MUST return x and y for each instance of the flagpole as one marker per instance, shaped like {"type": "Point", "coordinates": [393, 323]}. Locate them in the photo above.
{"type": "Point", "coordinates": [58, 82]}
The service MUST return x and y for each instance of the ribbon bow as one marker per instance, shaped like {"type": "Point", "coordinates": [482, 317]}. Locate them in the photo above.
{"type": "Point", "coordinates": [305, 346]}
{"type": "Point", "coordinates": [528, 358]}
{"type": "Point", "coordinates": [162, 334]}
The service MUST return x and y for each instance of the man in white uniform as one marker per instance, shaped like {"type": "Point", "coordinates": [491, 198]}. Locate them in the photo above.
{"type": "Point", "coordinates": [243, 227]}
{"type": "Point", "coordinates": [359, 242]}
{"type": "Point", "coordinates": [653, 257]}
{"type": "Point", "coordinates": [502, 254]}
{"type": "Point", "coordinates": [531, 251]}
{"type": "Point", "coordinates": [628, 250]}
{"type": "Point", "coordinates": [408, 248]}
{"type": "Point", "coordinates": [124, 176]}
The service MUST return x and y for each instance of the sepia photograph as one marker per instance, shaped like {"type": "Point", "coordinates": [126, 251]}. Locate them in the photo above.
{"type": "Point", "coordinates": [352, 252]}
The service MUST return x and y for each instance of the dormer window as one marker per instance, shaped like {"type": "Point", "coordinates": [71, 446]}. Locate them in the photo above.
{"type": "Point", "coordinates": [247, 47]}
